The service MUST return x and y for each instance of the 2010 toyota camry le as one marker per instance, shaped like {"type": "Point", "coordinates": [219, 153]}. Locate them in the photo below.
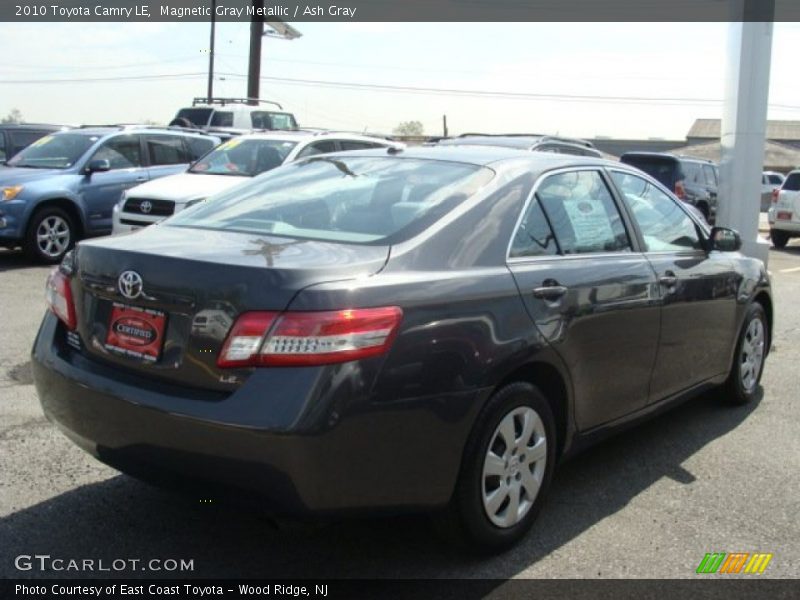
{"type": "Point", "coordinates": [429, 329]}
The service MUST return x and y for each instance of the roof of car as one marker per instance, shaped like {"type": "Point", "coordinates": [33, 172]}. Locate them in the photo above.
{"type": "Point", "coordinates": [101, 130]}
{"type": "Point", "coordinates": [516, 140]}
{"type": "Point", "coordinates": [488, 155]}
{"type": "Point", "coordinates": [676, 157]}
{"type": "Point", "coordinates": [35, 126]}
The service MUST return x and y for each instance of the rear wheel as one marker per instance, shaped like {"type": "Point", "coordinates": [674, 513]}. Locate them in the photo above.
{"type": "Point", "coordinates": [779, 238]}
{"type": "Point", "coordinates": [748, 363]}
{"type": "Point", "coordinates": [50, 234]}
{"type": "Point", "coordinates": [507, 467]}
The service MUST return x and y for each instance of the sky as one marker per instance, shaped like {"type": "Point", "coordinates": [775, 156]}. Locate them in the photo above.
{"type": "Point", "coordinates": [628, 77]}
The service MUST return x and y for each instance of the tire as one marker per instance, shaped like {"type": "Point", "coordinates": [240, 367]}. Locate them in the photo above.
{"type": "Point", "coordinates": [779, 238]}
{"type": "Point", "coordinates": [480, 516]}
{"type": "Point", "coordinates": [748, 360]}
{"type": "Point", "coordinates": [57, 225]}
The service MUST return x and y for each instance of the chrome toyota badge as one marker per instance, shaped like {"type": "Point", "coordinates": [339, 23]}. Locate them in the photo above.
{"type": "Point", "coordinates": [130, 284]}
{"type": "Point", "coordinates": [146, 206]}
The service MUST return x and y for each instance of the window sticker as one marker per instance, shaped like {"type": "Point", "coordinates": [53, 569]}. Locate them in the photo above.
{"type": "Point", "coordinates": [589, 222]}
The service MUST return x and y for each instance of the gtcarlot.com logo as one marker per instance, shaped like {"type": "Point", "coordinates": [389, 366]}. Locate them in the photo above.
{"type": "Point", "coordinates": [45, 562]}
{"type": "Point", "coordinates": [734, 563]}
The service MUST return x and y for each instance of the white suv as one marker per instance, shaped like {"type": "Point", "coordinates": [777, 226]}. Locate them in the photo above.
{"type": "Point", "coordinates": [227, 165]}
{"type": "Point", "coordinates": [784, 214]}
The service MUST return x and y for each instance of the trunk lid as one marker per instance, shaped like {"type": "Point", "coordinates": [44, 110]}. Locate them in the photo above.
{"type": "Point", "coordinates": [193, 284]}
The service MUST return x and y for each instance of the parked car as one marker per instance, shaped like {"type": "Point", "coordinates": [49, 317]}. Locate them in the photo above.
{"type": "Point", "coordinates": [693, 180]}
{"type": "Point", "coordinates": [220, 114]}
{"type": "Point", "coordinates": [64, 186]}
{"type": "Point", "coordinates": [784, 214]}
{"type": "Point", "coordinates": [228, 165]}
{"type": "Point", "coordinates": [15, 137]}
{"type": "Point", "coordinates": [770, 181]}
{"type": "Point", "coordinates": [526, 141]}
{"type": "Point", "coordinates": [427, 329]}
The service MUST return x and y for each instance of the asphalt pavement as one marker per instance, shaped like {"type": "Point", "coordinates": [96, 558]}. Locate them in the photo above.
{"type": "Point", "coordinates": [648, 503]}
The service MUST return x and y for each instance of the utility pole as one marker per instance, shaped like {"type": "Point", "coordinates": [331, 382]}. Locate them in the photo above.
{"type": "Point", "coordinates": [254, 69]}
{"type": "Point", "coordinates": [211, 53]}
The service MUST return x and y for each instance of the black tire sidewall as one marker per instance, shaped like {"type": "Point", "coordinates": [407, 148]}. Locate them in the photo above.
{"type": "Point", "coordinates": [479, 531]}
{"type": "Point", "coordinates": [779, 238]}
{"type": "Point", "coordinates": [31, 246]}
{"type": "Point", "coordinates": [736, 393]}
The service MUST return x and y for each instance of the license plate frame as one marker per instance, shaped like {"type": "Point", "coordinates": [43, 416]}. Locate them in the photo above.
{"type": "Point", "coordinates": [136, 332]}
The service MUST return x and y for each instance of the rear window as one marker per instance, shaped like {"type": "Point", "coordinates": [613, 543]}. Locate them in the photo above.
{"type": "Point", "coordinates": [792, 183]}
{"type": "Point", "coordinates": [663, 168]}
{"type": "Point", "coordinates": [365, 200]}
{"type": "Point", "coordinates": [198, 116]}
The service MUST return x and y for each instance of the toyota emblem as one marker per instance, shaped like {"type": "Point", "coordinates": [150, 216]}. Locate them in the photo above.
{"type": "Point", "coordinates": [146, 206]}
{"type": "Point", "coordinates": [130, 284]}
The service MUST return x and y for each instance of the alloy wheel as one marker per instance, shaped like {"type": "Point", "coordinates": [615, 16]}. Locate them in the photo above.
{"type": "Point", "coordinates": [53, 236]}
{"type": "Point", "coordinates": [752, 354]}
{"type": "Point", "coordinates": [514, 467]}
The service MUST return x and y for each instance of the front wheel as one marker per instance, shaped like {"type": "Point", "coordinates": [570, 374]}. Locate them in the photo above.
{"type": "Point", "coordinates": [506, 471]}
{"type": "Point", "coordinates": [748, 363]}
{"type": "Point", "coordinates": [50, 234]}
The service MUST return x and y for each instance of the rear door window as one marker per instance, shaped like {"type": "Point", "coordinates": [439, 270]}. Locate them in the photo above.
{"type": "Point", "coordinates": [533, 237]}
{"type": "Point", "coordinates": [582, 213]}
{"type": "Point", "coordinates": [166, 150]}
{"type": "Point", "coordinates": [664, 224]}
{"type": "Point", "coordinates": [775, 180]}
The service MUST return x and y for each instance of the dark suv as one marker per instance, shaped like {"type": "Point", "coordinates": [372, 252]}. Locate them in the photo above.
{"type": "Point", "coordinates": [526, 141]}
{"type": "Point", "coordinates": [693, 180]}
{"type": "Point", "coordinates": [15, 137]}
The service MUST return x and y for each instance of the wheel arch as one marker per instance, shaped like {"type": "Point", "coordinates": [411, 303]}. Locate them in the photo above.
{"type": "Point", "coordinates": [66, 204]}
{"type": "Point", "coordinates": [555, 386]}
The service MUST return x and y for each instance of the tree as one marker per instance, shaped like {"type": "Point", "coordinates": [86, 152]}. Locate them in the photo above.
{"type": "Point", "coordinates": [410, 128]}
{"type": "Point", "coordinates": [15, 116]}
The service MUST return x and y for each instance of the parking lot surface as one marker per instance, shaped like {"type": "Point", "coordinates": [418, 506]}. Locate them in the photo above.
{"type": "Point", "coordinates": [649, 502]}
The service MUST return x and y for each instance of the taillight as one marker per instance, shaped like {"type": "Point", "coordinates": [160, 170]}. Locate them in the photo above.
{"type": "Point", "coordinates": [309, 338]}
{"type": "Point", "coordinates": [58, 295]}
{"type": "Point", "coordinates": [775, 193]}
{"type": "Point", "coordinates": [680, 191]}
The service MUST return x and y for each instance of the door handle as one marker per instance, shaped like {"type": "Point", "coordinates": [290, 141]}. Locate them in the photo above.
{"type": "Point", "coordinates": [549, 292]}
{"type": "Point", "coordinates": [669, 280]}
{"type": "Point", "coordinates": [141, 179]}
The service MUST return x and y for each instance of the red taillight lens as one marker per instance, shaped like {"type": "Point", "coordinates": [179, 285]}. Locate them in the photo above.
{"type": "Point", "coordinates": [775, 193]}
{"type": "Point", "coordinates": [310, 338]}
{"type": "Point", "coordinates": [58, 295]}
{"type": "Point", "coordinates": [680, 191]}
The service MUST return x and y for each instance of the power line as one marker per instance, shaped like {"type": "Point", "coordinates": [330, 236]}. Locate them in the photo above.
{"type": "Point", "coordinates": [680, 101]}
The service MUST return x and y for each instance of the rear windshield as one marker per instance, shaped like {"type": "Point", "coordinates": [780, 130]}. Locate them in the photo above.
{"type": "Point", "coordinates": [367, 200]}
{"type": "Point", "coordinates": [663, 168]}
{"type": "Point", "coordinates": [198, 116]}
{"type": "Point", "coordinates": [59, 151]}
{"type": "Point", "coordinates": [245, 158]}
{"type": "Point", "coordinates": [792, 183]}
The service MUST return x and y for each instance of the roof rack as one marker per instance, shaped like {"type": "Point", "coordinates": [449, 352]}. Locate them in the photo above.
{"type": "Point", "coordinates": [223, 101]}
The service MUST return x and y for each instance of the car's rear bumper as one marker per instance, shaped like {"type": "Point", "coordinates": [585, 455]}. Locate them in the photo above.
{"type": "Point", "coordinates": [297, 456]}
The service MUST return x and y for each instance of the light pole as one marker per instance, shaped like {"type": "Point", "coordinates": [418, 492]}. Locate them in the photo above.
{"type": "Point", "coordinates": [278, 29]}
{"type": "Point", "coordinates": [211, 53]}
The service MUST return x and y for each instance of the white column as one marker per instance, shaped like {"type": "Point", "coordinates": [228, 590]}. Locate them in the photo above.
{"type": "Point", "coordinates": [744, 123]}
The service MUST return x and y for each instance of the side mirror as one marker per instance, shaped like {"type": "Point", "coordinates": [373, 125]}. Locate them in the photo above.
{"type": "Point", "coordinates": [725, 240]}
{"type": "Point", "coordinates": [98, 165]}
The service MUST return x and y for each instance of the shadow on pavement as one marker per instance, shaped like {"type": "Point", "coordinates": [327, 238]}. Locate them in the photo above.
{"type": "Point", "coordinates": [122, 518]}
{"type": "Point", "coordinates": [16, 259]}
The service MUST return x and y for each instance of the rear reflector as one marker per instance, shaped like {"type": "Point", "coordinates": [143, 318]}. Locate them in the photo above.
{"type": "Point", "coordinates": [775, 193]}
{"type": "Point", "coordinates": [309, 338]}
{"type": "Point", "coordinates": [58, 295]}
